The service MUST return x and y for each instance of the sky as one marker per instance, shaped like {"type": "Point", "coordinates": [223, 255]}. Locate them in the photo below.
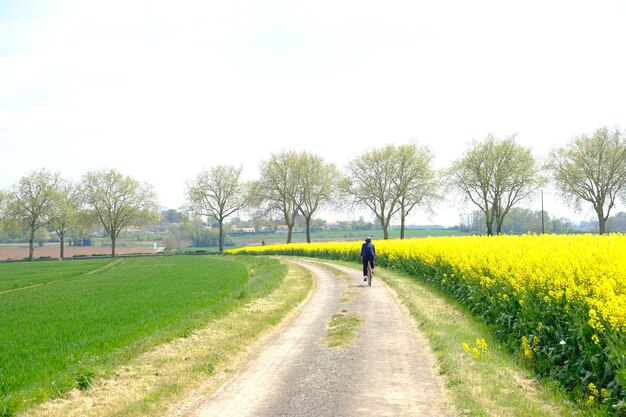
{"type": "Point", "coordinates": [161, 90]}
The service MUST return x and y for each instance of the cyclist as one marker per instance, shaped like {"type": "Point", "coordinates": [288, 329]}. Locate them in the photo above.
{"type": "Point", "coordinates": [368, 253]}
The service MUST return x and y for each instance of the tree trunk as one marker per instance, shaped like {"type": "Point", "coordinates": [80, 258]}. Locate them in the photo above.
{"type": "Point", "coordinates": [385, 230]}
{"type": "Point", "coordinates": [113, 238]}
{"type": "Point", "coordinates": [289, 222]}
{"type": "Point", "coordinates": [402, 218]}
{"type": "Point", "coordinates": [31, 247]}
{"type": "Point", "coordinates": [601, 224]}
{"type": "Point", "coordinates": [221, 237]}
{"type": "Point", "coordinates": [308, 229]}
{"type": "Point", "coordinates": [383, 225]}
{"type": "Point", "coordinates": [62, 249]}
{"type": "Point", "coordinates": [499, 228]}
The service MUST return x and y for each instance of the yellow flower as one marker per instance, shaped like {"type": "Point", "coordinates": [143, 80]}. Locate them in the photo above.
{"type": "Point", "coordinates": [526, 349]}
{"type": "Point", "coordinates": [475, 353]}
{"type": "Point", "coordinates": [595, 338]}
{"type": "Point", "coordinates": [481, 344]}
{"type": "Point", "coordinates": [477, 350]}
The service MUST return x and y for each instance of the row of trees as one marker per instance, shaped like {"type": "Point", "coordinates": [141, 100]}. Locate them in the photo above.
{"type": "Point", "coordinates": [494, 175]}
{"type": "Point", "coordinates": [497, 174]}
{"type": "Point", "coordinates": [43, 199]}
{"type": "Point", "coordinates": [521, 220]}
{"type": "Point", "coordinates": [391, 181]}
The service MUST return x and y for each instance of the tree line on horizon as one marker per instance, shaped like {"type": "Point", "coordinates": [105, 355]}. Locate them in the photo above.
{"type": "Point", "coordinates": [494, 174]}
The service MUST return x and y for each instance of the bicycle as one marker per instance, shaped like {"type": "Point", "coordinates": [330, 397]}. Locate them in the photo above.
{"type": "Point", "coordinates": [369, 273]}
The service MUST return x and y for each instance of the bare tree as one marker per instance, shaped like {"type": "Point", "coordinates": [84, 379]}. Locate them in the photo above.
{"type": "Point", "coordinates": [517, 177]}
{"type": "Point", "coordinates": [495, 175]}
{"type": "Point", "coordinates": [217, 193]}
{"type": "Point", "coordinates": [592, 169]}
{"type": "Point", "coordinates": [415, 181]}
{"type": "Point", "coordinates": [65, 208]}
{"type": "Point", "coordinates": [318, 181]}
{"type": "Point", "coordinates": [371, 182]}
{"type": "Point", "coordinates": [119, 201]}
{"type": "Point", "coordinates": [31, 202]}
{"type": "Point", "coordinates": [278, 188]}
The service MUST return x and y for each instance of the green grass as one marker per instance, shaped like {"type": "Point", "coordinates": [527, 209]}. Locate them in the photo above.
{"type": "Point", "coordinates": [16, 274]}
{"type": "Point", "coordinates": [342, 329]}
{"type": "Point", "coordinates": [61, 336]}
{"type": "Point", "coordinates": [243, 239]}
{"type": "Point", "coordinates": [209, 249]}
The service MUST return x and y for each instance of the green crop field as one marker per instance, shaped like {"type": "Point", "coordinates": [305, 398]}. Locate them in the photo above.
{"type": "Point", "coordinates": [92, 315]}
{"type": "Point", "coordinates": [253, 239]}
{"type": "Point", "coordinates": [15, 275]}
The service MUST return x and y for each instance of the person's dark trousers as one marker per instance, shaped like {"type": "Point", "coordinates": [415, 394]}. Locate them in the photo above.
{"type": "Point", "coordinates": [365, 261]}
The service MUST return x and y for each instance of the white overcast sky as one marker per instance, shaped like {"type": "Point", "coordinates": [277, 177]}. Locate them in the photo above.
{"type": "Point", "coordinates": [161, 89]}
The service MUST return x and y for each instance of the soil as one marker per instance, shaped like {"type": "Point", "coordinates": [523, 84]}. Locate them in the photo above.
{"type": "Point", "coordinates": [388, 371]}
{"type": "Point", "coordinates": [53, 251]}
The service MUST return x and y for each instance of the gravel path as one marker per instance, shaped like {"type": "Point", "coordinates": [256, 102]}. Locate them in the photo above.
{"type": "Point", "coordinates": [386, 372]}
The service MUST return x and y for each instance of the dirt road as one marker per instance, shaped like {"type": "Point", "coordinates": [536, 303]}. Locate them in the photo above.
{"type": "Point", "coordinates": [387, 371]}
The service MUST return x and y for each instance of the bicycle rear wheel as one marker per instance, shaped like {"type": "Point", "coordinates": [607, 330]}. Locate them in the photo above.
{"type": "Point", "coordinates": [369, 273]}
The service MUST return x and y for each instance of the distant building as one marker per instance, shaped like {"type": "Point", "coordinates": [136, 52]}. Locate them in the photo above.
{"type": "Point", "coordinates": [243, 230]}
{"type": "Point", "coordinates": [332, 226]}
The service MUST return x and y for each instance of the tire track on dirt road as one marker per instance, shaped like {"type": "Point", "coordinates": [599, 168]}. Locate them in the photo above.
{"type": "Point", "coordinates": [387, 371]}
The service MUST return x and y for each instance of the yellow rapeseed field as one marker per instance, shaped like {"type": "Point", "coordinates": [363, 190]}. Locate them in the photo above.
{"type": "Point", "coordinates": [560, 301]}
{"type": "Point", "coordinates": [583, 269]}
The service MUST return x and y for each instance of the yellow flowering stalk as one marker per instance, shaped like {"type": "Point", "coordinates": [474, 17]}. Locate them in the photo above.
{"type": "Point", "coordinates": [477, 350]}
{"type": "Point", "coordinates": [526, 349]}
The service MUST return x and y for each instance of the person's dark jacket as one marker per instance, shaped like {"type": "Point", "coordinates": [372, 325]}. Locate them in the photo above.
{"type": "Point", "coordinates": [368, 251]}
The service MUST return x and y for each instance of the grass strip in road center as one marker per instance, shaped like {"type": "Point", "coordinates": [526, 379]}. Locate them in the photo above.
{"type": "Point", "coordinates": [342, 329]}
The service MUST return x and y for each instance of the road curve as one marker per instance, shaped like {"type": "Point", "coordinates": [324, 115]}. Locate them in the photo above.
{"type": "Point", "coordinates": [386, 372]}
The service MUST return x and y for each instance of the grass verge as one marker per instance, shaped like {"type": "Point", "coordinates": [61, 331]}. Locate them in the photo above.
{"type": "Point", "coordinates": [481, 378]}
{"type": "Point", "coordinates": [193, 366]}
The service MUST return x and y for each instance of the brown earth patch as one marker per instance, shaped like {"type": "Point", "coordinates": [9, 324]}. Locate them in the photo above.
{"type": "Point", "coordinates": [70, 251]}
